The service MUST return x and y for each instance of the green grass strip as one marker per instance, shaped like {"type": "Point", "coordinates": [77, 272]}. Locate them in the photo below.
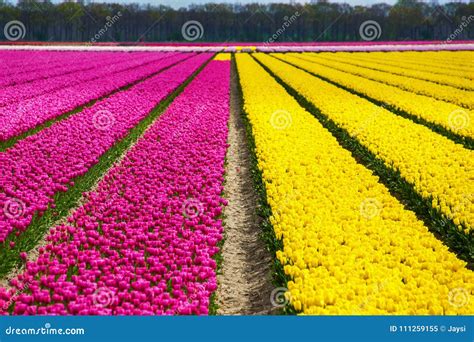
{"type": "Point", "coordinates": [12, 141]}
{"type": "Point", "coordinates": [65, 201]}
{"type": "Point", "coordinates": [460, 243]}
{"type": "Point", "coordinates": [467, 142]}
{"type": "Point", "coordinates": [264, 211]}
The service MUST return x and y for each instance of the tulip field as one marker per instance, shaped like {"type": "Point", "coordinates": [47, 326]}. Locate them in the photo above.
{"type": "Point", "coordinates": [115, 180]}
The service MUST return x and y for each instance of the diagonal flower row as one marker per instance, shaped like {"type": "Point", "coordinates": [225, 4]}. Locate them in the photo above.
{"type": "Point", "coordinates": [439, 62]}
{"type": "Point", "coordinates": [399, 67]}
{"type": "Point", "coordinates": [20, 117]}
{"type": "Point", "coordinates": [441, 172]}
{"type": "Point", "coordinates": [144, 241]}
{"type": "Point", "coordinates": [35, 65]}
{"type": "Point", "coordinates": [460, 97]}
{"type": "Point", "coordinates": [39, 166]}
{"type": "Point", "coordinates": [97, 70]}
{"type": "Point", "coordinates": [448, 115]}
{"type": "Point", "coordinates": [349, 247]}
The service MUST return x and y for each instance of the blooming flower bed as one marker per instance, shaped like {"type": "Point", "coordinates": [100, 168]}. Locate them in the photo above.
{"type": "Point", "coordinates": [414, 61]}
{"type": "Point", "coordinates": [39, 166]}
{"type": "Point", "coordinates": [427, 108]}
{"type": "Point", "coordinates": [90, 73]}
{"type": "Point", "coordinates": [113, 163]}
{"type": "Point", "coordinates": [349, 247]}
{"type": "Point", "coordinates": [16, 118]}
{"type": "Point", "coordinates": [463, 98]}
{"type": "Point", "coordinates": [21, 67]}
{"type": "Point", "coordinates": [414, 69]}
{"type": "Point", "coordinates": [441, 172]}
{"type": "Point", "coordinates": [144, 241]}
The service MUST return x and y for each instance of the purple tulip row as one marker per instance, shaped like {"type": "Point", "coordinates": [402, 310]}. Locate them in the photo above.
{"type": "Point", "coordinates": [25, 115]}
{"type": "Point", "coordinates": [144, 241]}
{"type": "Point", "coordinates": [16, 61]}
{"type": "Point", "coordinates": [31, 57]}
{"type": "Point", "coordinates": [29, 68]}
{"type": "Point", "coordinates": [90, 72]}
{"type": "Point", "coordinates": [39, 166]}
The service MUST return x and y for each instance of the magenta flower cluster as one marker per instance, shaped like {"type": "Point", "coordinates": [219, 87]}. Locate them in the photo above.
{"type": "Point", "coordinates": [144, 241]}
{"type": "Point", "coordinates": [368, 46]}
{"type": "Point", "coordinates": [39, 166]}
{"type": "Point", "coordinates": [20, 117]}
{"type": "Point", "coordinates": [26, 66]}
{"type": "Point", "coordinates": [85, 73]}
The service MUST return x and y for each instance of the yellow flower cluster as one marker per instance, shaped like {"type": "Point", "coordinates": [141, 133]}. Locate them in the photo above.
{"type": "Point", "coordinates": [449, 59]}
{"type": "Point", "coordinates": [222, 57]}
{"type": "Point", "coordinates": [349, 246]}
{"type": "Point", "coordinates": [397, 66]}
{"type": "Point", "coordinates": [436, 166]}
{"type": "Point", "coordinates": [447, 115]}
{"type": "Point", "coordinates": [457, 96]}
{"type": "Point", "coordinates": [428, 61]}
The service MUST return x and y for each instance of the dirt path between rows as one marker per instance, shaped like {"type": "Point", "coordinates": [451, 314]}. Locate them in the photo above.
{"type": "Point", "coordinates": [244, 283]}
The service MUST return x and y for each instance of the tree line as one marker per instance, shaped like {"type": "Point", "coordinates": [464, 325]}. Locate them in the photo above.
{"type": "Point", "coordinates": [320, 21]}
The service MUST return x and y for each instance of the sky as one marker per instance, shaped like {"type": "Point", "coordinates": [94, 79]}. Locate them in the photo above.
{"type": "Point", "coordinates": [184, 3]}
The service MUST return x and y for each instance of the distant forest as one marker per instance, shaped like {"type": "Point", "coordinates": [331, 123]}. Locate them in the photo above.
{"type": "Point", "coordinates": [318, 21]}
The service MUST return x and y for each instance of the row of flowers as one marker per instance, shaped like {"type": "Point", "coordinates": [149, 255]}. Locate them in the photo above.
{"type": "Point", "coordinates": [450, 116]}
{"type": "Point", "coordinates": [88, 73]}
{"type": "Point", "coordinates": [349, 246]}
{"type": "Point", "coordinates": [144, 241]}
{"type": "Point", "coordinates": [27, 66]}
{"type": "Point", "coordinates": [367, 48]}
{"type": "Point", "coordinates": [460, 97]}
{"type": "Point", "coordinates": [37, 167]}
{"type": "Point", "coordinates": [447, 61]}
{"type": "Point", "coordinates": [442, 171]}
{"type": "Point", "coordinates": [17, 118]}
{"type": "Point", "coordinates": [401, 66]}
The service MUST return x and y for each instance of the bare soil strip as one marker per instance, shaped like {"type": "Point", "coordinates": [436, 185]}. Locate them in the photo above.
{"type": "Point", "coordinates": [244, 281]}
